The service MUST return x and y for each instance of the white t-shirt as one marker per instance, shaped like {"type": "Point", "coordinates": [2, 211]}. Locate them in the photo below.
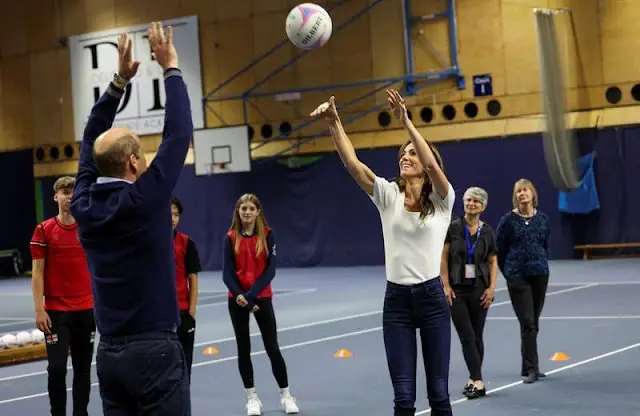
{"type": "Point", "coordinates": [412, 247]}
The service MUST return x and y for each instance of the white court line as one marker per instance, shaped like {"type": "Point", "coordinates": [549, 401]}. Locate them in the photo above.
{"type": "Point", "coordinates": [17, 323]}
{"type": "Point", "coordinates": [277, 295]}
{"type": "Point", "coordinates": [294, 327]}
{"type": "Point", "coordinates": [602, 283]}
{"type": "Point", "coordinates": [221, 360]}
{"type": "Point", "coordinates": [229, 339]}
{"type": "Point", "coordinates": [311, 324]}
{"type": "Point", "coordinates": [15, 318]}
{"type": "Point", "coordinates": [557, 370]}
{"type": "Point", "coordinates": [568, 318]}
{"type": "Point", "coordinates": [316, 323]}
{"type": "Point", "coordinates": [22, 320]}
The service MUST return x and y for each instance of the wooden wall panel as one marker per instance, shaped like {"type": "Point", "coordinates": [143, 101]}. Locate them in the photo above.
{"type": "Point", "coordinates": [350, 54]}
{"type": "Point", "coordinates": [13, 33]}
{"type": "Point", "coordinates": [46, 113]}
{"type": "Point", "coordinates": [73, 17]}
{"type": "Point", "coordinates": [100, 15]}
{"type": "Point", "coordinates": [579, 40]}
{"type": "Point", "coordinates": [16, 102]}
{"type": "Point", "coordinates": [387, 43]}
{"type": "Point", "coordinates": [268, 31]}
{"type": "Point", "coordinates": [620, 40]}
{"type": "Point", "coordinates": [481, 35]}
{"type": "Point", "coordinates": [4, 142]}
{"type": "Point", "coordinates": [521, 58]}
{"type": "Point", "coordinates": [234, 43]}
{"type": "Point", "coordinates": [64, 90]}
{"type": "Point", "coordinates": [494, 36]}
{"type": "Point", "coordinates": [41, 25]}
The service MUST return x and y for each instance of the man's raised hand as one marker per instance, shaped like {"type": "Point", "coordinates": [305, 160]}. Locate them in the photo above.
{"type": "Point", "coordinates": [127, 66]}
{"type": "Point", "coordinates": [162, 48]}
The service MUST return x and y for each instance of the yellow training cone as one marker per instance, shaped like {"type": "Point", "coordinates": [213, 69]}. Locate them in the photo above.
{"type": "Point", "coordinates": [210, 351]}
{"type": "Point", "coordinates": [559, 356]}
{"type": "Point", "coordinates": [343, 354]}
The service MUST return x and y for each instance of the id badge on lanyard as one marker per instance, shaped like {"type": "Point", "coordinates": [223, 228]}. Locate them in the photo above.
{"type": "Point", "coordinates": [470, 267]}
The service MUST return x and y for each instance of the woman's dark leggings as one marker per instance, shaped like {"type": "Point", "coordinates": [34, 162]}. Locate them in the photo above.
{"type": "Point", "coordinates": [266, 320]}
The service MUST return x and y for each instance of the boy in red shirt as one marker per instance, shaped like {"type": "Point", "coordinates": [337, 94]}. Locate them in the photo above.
{"type": "Point", "coordinates": [63, 300]}
{"type": "Point", "coordinates": [187, 268]}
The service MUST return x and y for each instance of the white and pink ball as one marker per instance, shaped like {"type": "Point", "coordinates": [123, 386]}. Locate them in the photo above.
{"type": "Point", "coordinates": [308, 26]}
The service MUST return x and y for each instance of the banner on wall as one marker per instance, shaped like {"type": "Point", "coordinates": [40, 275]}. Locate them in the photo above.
{"type": "Point", "coordinates": [94, 60]}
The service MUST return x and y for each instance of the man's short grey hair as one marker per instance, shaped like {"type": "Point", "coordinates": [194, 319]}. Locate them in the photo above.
{"type": "Point", "coordinates": [478, 194]}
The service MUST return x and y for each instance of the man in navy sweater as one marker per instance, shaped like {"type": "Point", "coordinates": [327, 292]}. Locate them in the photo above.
{"type": "Point", "coordinates": [123, 211]}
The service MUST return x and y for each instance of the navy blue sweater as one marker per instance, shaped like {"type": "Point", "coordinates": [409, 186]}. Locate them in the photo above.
{"type": "Point", "coordinates": [523, 249]}
{"type": "Point", "coordinates": [125, 228]}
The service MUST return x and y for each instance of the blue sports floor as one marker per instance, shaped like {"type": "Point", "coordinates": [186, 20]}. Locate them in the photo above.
{"type": "Point", "coordinates": [592, 313]}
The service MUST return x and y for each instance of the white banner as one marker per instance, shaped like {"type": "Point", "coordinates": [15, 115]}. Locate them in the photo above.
{"type": "Point", "coordinates": [94, 60]}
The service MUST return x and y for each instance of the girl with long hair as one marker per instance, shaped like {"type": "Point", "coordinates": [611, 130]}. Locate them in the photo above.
{"type": "Point", "coordinates": [248, 269]}
{"type": "Point", "coordinates": [415, 212]}
{"type": "Point", "coordinates": [523, 251]}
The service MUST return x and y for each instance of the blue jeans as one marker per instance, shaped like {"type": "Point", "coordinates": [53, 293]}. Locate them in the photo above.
{"type": "Point", "coordinates": [143, 374]}
{"type": "Point", "coordinates": [406, 309]}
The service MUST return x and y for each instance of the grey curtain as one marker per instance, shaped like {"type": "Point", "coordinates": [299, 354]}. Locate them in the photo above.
{"type": "Point", "coordinates": [560, 147]}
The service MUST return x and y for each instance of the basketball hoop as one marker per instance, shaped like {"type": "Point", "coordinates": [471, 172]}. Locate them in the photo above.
{"type": "Point", "coordinates": [217, 167]}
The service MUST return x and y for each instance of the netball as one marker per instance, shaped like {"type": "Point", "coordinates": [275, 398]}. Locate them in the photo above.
{"type": "Point", "coordinates": [308, 26]}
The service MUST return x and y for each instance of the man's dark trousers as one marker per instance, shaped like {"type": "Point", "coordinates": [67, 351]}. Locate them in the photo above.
{"type": "Point", "coordinates": [143, 374]}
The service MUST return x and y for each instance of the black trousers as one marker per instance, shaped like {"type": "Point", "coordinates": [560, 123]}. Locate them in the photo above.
{"type": "Point", "coordinates": [527, 298]}
{"type": "Point", "coordinates": [143, 375]}
{"type": "Point", "coordinates": [469, 318]}
{"type": "Point", "coordinates": [187, 336]}
{"type": "Point", "coordinates": [266, 320]}
{"type": "Point", "coordinates": [71, 332]}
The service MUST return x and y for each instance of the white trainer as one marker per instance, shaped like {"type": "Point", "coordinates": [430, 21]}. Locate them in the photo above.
{"type": "Point", "coordinates": [289, 405]}
{"type": "Point", "coordinates": [254, 406]}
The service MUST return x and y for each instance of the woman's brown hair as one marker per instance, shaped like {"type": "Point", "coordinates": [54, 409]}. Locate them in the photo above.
{"type": "Point", "coordinates": [426, 205]}
{"type": "Point", "coordinates": [261, 224]}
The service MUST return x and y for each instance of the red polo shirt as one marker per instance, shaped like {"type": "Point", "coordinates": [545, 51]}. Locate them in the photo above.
{"type": "Point", "coordinates": [67, 283]}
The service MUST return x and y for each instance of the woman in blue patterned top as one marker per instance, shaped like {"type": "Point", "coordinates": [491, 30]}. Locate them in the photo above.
{"type": "Point", "coordinates": [523, 249]}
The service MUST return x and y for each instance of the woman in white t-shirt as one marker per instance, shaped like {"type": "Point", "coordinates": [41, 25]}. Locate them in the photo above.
{"type": "Point", "coordinates": [415, 211]}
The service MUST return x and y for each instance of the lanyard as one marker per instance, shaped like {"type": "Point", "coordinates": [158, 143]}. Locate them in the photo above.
{"type": "Point", "coordinates": [471, 249]}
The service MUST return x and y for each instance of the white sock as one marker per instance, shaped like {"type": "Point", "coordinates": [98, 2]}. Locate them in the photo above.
{"type": "Point", "coordinates": [285, 392]}
{"type": "Point", "coordinates": [251, 392]}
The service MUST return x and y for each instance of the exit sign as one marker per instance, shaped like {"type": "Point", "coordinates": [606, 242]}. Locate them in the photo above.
{"type": "Point", "coordinates": [482, 85]}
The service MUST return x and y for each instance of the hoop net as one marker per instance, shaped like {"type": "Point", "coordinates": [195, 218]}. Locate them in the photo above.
{"type": "Point", "coordinates": [213, 168]}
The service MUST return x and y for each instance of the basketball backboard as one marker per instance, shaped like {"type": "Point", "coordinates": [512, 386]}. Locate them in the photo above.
{"type": "Point", "coordinates": [221, 150]}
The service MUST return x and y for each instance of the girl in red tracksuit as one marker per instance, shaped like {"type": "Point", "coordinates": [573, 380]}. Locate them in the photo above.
{"type": "Point", "coordinates": [249, 268]}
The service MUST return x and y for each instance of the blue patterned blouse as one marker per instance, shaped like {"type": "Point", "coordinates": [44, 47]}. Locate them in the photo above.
{"type": "Point", "coordinates": [523, 245]}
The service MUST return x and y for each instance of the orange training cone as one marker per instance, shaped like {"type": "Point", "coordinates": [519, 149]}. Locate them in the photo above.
{"type": "Point", "coordinates": [559, 356]}
{"type": "Point", "coordinates": [210, 351]}
{"type": "Point", "coordinates": [343, 354]}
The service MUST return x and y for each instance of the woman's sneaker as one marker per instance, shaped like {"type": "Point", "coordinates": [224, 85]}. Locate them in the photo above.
{"type": "Point", "coordinates": [289, 405]}
{"type": "Point", "coordinates": [254, 406]}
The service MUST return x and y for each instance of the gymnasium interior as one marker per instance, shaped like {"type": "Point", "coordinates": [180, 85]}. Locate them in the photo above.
{"type": "Point", "coordinates": [472, 75]}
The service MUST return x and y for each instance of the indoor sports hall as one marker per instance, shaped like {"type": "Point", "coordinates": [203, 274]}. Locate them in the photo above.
{"type": "Point", "coordinates": [503, 90]}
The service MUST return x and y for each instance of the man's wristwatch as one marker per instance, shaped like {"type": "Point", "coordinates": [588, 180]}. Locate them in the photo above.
{"type": "Point", "coordinates": [119, 81]}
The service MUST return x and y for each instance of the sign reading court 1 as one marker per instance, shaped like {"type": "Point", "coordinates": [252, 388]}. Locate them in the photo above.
{"type": "Point", "coordinates": [482, 85]}
{"type": "Point", "coordinates": [94, 60]}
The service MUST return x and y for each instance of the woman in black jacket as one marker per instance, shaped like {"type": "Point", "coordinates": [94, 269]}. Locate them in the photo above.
{"type": "Point", "coordinates": [469, 273]}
